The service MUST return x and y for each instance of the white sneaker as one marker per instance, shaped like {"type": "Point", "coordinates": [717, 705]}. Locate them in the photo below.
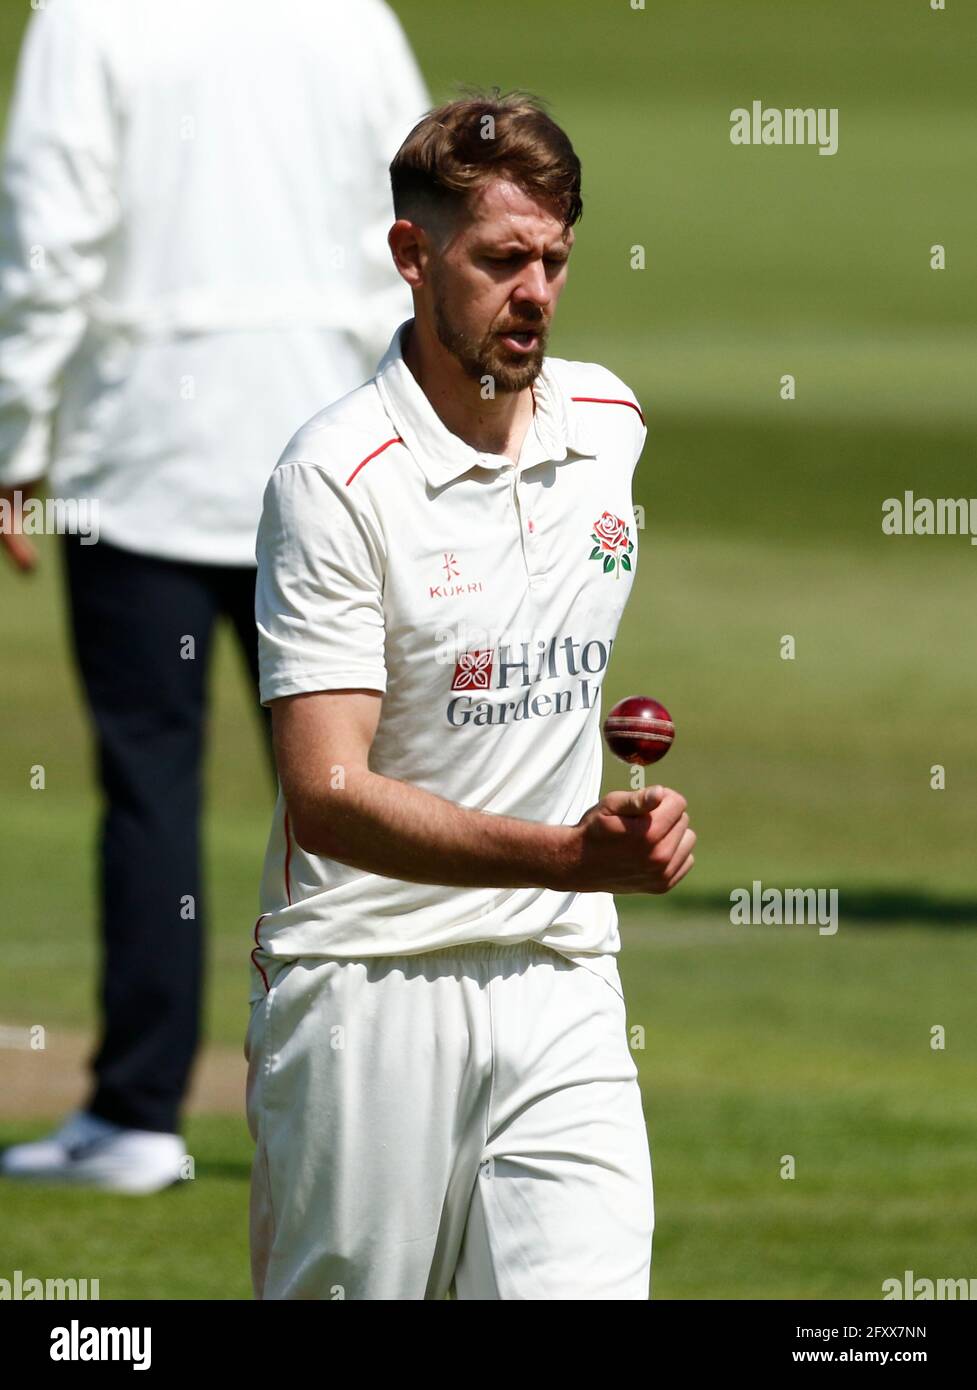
{"type": "Point", "coordinates": [92, 1152]}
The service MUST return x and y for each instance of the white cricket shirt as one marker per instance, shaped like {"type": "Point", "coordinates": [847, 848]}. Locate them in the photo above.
{"type": "Point", "coordinates": [193, 214]}
{"type": "Point", "coordinates": [483, 599]}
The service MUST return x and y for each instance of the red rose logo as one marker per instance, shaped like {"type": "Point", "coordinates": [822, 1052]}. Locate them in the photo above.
{"type": "Point", "coordinates": [613, 543]}
{"type": "Point", "coordinates": [611, 532]}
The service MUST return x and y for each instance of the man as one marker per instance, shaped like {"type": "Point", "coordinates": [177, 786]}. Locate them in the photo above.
{"type": "Point", "coordinates": [440, 1087]}
{"type": "Point", "coordinates": [192, 261]}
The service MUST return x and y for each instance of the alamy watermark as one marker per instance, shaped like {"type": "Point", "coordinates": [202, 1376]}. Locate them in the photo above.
{"type": "Point", "coordinates": [78, 1343]}
{"type": "Point", "coordinates": [50, 516]}
{"type": "Point", "coordinates": [910, 515]}
{"type": "Point", "coordinates": [909, 1287]}
{"type": "Point", "coordinates": [759, 125]}
{"type": "Point", "coordinates": [759, 906]}
{"type": "Point", "coordinates": [23, 1288]}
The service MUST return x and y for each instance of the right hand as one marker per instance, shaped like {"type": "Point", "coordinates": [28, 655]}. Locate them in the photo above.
{"type": "Point", "coordinates": [19, 551]}
{"type": "Point", "coordinates": [634, 842]}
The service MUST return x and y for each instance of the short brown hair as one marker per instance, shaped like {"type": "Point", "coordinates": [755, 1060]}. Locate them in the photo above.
{"type": "Point", "coordinates": [464, 144]}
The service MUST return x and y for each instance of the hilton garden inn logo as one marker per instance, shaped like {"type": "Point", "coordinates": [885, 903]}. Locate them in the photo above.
{"type": "Point", "coordinates": [785, 906]}
{"type": "Point", "coordinates": [910, 515]}
{"type": "Point", "coordinates": [810, 125]}
{"type": "Point", "coordinates": [518, 666]}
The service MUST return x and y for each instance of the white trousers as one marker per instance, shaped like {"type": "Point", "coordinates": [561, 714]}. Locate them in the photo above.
{"type": "Point", "coordinates": [462, 1123]}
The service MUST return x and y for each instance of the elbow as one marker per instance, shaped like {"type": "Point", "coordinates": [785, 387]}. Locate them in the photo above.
{"type": "Point", "coordinates": [307, 836]}
{"type": "Point", "coordinates": [312, 837]}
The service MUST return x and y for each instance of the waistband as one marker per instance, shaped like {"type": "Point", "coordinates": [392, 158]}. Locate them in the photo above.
{"type": "Point", "coordinates": [485, 950]}
{"type": "Point", "coordinates": [465, 951]}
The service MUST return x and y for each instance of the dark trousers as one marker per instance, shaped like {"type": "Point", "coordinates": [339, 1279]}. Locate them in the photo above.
{"type": "Point", "coordinates": [133, 620]}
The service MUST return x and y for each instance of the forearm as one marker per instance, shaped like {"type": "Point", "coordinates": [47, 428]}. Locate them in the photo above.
{"type": "Point", "coordinates": [400, 831]}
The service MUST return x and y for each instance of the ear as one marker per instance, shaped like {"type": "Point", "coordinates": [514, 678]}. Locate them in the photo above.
{"type": "Point", "coordinates": [410, 247]}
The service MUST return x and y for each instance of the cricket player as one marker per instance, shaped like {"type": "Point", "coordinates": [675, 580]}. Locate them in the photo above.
{"type": "Point", "coordinates": [440, 1088]}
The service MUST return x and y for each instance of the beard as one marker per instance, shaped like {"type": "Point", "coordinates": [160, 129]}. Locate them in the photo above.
{"type": "Point", "coordinates": [489, 356]}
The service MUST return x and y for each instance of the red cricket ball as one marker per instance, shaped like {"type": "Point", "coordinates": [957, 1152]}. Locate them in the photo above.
{"type": "Point", "coordinates": [639, 730]}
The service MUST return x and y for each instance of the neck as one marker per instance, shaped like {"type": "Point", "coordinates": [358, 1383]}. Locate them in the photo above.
{"type": "Point", "coordinates": [495, 426]}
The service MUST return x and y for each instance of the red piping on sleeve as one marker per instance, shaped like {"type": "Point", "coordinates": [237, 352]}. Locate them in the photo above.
{"type": "Point", "coordinates": [396, 440]}
{"type": "Point", "coordinates": [602, 400]}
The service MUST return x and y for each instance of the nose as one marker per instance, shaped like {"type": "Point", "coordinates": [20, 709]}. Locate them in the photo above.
{"type": "Point", "coordinates": [533, 287]}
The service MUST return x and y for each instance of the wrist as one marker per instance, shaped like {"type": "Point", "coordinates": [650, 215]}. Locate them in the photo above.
{"type": "Point", "coordinates": [560, 856]}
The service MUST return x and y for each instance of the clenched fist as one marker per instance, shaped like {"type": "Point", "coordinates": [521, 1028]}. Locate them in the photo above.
{"type": "Point", "coordinates": [632, 842]}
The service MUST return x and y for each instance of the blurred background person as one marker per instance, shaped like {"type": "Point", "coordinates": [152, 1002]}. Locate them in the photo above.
{"type": "Point", "coordinates": [192, 263]}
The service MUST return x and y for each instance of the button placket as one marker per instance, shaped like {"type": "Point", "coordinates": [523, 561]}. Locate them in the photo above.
{"type": "Point", "coordinates": [514, 495]}
{"type": "Point", "coordinates": [530, 536]}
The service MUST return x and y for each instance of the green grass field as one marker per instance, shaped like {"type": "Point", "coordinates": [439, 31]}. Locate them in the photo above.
{"type": "Point", "coordinates": [762, 518]}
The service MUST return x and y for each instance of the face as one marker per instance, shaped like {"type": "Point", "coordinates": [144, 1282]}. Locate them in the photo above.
{"type": "Point", "coordinates": [492, 287]}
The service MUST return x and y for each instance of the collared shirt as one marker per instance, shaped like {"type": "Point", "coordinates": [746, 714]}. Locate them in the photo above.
{"type": "Point", "coordinates": [193, 216]}
{"type": "Point", "coordinates": [482, 598]}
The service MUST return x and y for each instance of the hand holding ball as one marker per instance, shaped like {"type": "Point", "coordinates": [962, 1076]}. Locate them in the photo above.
{"type": "Point", "coordinates": [639, 730]}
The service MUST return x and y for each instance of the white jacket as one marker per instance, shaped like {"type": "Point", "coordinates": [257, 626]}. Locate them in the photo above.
{"type": "Point", "coordinates": [193, 255]}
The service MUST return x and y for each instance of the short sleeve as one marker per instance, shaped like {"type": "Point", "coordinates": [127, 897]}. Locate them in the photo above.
{"type": "Point", "coordinates": [641, 436]}
{"type": "Point", "coordinates": [634, 414]}
{"type": "Point", "coordinates": [319, 598]}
